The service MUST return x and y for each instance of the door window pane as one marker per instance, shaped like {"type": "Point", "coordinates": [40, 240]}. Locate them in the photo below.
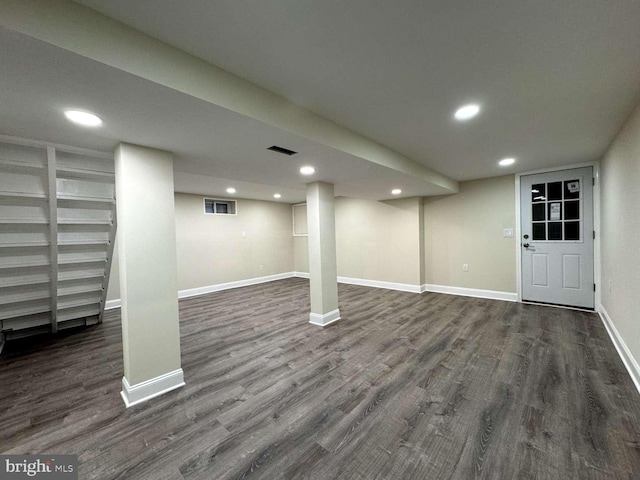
{"type": "Point", "coordinates": [537, 213]}
{"type": "Point", "coordinates": [538, 192]}
{"type": "Point", "coordinates": [572, 230]}
{"type": "Point", "coordinates": [572, 210]}
{"type": "Point", "coordinates": [572, 189]}
{"type": "Point", "coordinates": [555, 230]}
{"type": "Point", "coordinates": [555, 210]}
{"type": "Point", "coordinates": [554, 191]}
{"type": "Point", "coordinates": [539, 231]}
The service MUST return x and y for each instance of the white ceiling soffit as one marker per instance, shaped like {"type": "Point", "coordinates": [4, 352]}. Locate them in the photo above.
{"type": "Point", "coordinates": [213, 147]}
{"type": "Point", "coordinates": [83, 31]}
{"type": "Point", "coordinates": [204, 185]}
{"type": "Point", "coordinates": [556, 78]}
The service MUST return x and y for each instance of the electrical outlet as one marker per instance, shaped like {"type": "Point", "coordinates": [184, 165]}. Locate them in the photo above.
{"type": "Point", "coordinates": [244, 234]}
{"type": "Point", "coordinates": [465, 267]}
{"type": "Point", "coordinates": [261, 267]}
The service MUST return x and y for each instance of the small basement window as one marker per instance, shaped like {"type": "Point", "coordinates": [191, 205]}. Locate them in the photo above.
{"type": "Point", "coordinates": [300, 220]}
{"type": "Point", "coordinates": [214, 206]}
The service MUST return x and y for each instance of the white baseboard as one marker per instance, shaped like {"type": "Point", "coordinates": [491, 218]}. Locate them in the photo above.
{"type": "Point", "coordinates": [192, 292]}
{"type": "Point", "coordinates": [141, 392]}
{"type": "Point", "coordinates": [324, 319]}
{"type": "Point", "coordinates": [403, 287]}
{"type": "Point", "coordinates": [625, 354]}
{"type": "Point", "coordinates": [363, 282]}
{"type": "Point", "coordinates": [111, 304]}
{"type": "Point", "coordinates": [471, 292]}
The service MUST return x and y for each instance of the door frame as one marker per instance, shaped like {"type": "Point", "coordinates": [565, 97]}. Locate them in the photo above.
{"type": "Point", "coordinates": [596, 226]}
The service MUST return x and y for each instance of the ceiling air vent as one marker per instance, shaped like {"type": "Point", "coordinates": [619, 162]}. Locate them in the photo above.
{"type": "Point", "coordinates": [281, 150]}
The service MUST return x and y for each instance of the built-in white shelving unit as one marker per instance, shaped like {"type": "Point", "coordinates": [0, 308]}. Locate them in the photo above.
{"type": "Point", "coordinates": [57, 230]}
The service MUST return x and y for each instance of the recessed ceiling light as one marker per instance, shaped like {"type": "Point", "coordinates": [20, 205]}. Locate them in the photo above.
{"type": "Point", "coordinates": [467, 112]}
{"type": "Point", "coordinates": [277, 195]}
{"type": "Point", "coordinates": [307, 170]}
{"type": "Point", "coordinates": [396, 191]}
{"type": "Point", "coordinates": [85, 119]}
{"type": "Point", "coordinates": [505, 162]}
{"type": "Point", "coordinates": [231, 190]}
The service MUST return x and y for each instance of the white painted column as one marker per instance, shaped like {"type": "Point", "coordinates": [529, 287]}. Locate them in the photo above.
{"type": "Point", "coordinates": [323, 276]}
{"type": "Point", "coordinates": [148, 273]}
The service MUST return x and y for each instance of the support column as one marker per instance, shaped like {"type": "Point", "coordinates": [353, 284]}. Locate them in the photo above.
{"type": "Point", "coordinates": [323, 277]}
{"type": "Point", "coordinates": [148, 273]}
{"type": "Point", "coordinates": [422, 249]}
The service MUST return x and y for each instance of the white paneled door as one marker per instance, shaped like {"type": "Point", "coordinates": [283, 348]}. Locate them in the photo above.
{"type": "Point", "coordinates": [557, 237]}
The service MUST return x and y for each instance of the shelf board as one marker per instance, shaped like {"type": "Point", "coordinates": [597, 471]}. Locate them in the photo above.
{"type": "Point", "coordinates": [83, 221]}
{"type": "Point", "coordinates": [62, 243]}
{"type": "Point", "coordinates": [7, 314]}
{"type": "Point", "coordinates": [24, 221]}
{"type": "Point", "coordinates": [25, 265]}
{"type": "Point", "coordinates": [68, 243]}
{"type": "Point", "coordinates": [73, 261]}
{"type": "Point", "coordinates": [25, 244]}
{"type": "Point", "coordinates": [11, 166]}
{"type": "Point", "coordinates": [31, 195]}
{"type": "Point", "coordinates": [90, 200]}
{"type": "Point", "coordinates": [87, 312]}
{"type": "Point", "coordinates": [65, 292]}
{"type": "Point", "coordinates": [80, 275]}
{"type": "Point", "coordinates": [83, 174]}
{"type": "Point", "coordinates": [67, 304]}
{"type": "Point", "coordinates": [21, 281]}
{"type": "Point", "coordinates": [15, 327]}
{"type": "Point", "coordinates": [24, 297]}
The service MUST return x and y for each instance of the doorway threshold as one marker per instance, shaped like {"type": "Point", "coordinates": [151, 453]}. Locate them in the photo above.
{"type": "Point", "coordinates": [557, 305]}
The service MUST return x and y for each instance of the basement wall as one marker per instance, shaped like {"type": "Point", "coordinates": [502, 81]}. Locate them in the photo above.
{"type": "Point", "coordinates": [620, 231]}
{"type": "Point", "coordinates": [214, 249]}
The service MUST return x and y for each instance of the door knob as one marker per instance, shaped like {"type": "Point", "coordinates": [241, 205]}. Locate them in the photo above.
{"type": "Point", "coordinates": [525, 245]}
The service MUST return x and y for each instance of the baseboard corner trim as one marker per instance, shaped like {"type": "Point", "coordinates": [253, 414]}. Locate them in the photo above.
{"type": "Point", "coordinates": [194, 292]}
{"type": "Point", "coordinates": [401, 287]}
{"type": "Point", "coordinates": [625, 354]}
{"type": "Point", "coordinates": [471, 292]}
{"type": "Point", "coordinates": [323, 320]}
{"type": "Point", "coordinates": [141, 392]}
{"type": "Point", "coordinates": [111, 304]}
{"type": "Point", "coordinates": [301, 274]}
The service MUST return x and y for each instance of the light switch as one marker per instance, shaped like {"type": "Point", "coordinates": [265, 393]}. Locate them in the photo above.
{"type": "Point", "coordinates": [508, 233]}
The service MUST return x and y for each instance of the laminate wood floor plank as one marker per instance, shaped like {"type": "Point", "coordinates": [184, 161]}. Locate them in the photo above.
{"type": "Point", "coordinates": [404, 386]}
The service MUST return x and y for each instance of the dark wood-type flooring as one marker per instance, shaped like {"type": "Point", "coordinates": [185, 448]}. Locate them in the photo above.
{"type": "Point", "coordinates": [405, 386]}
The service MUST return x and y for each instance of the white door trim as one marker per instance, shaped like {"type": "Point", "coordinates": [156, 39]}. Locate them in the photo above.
{"type": "Point", "coordinates": [596, 224]}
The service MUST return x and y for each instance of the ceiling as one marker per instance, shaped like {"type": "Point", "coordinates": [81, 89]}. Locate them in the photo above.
{"type": "Point", "coordinates": [556, 80]}
{"type": "Point", "coordinates": [213, 147]}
